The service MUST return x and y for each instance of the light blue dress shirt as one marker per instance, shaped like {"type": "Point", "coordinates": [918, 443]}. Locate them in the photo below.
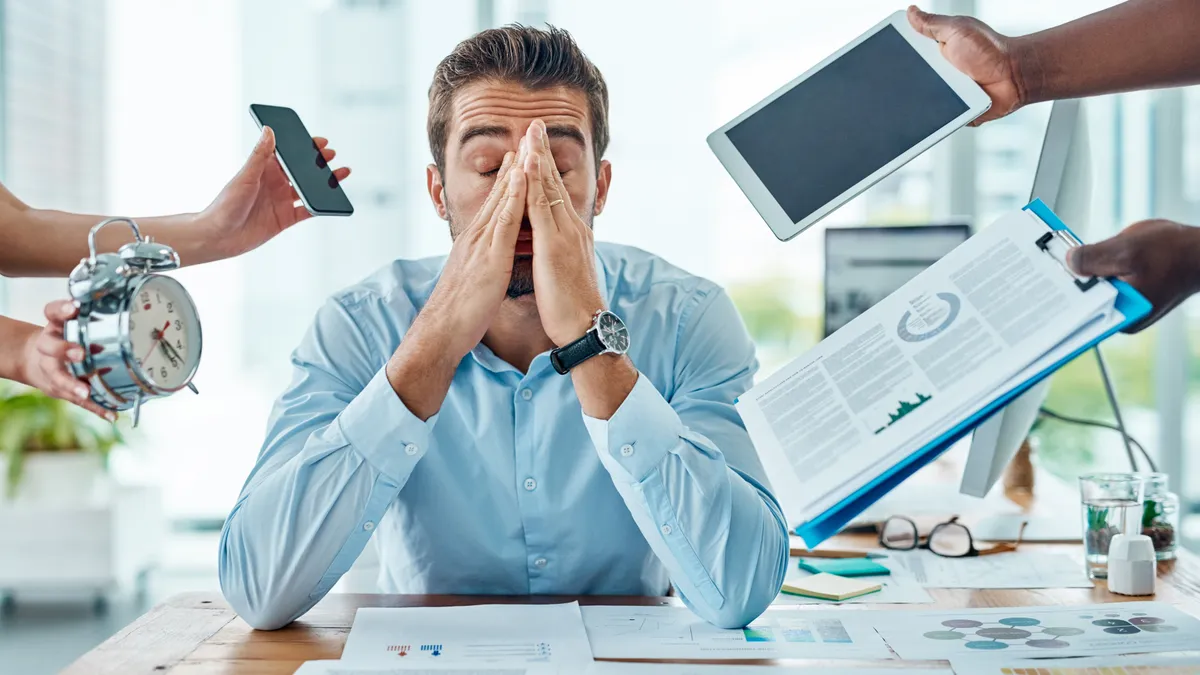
{"type": "Point", "coordinates": [510, 489]}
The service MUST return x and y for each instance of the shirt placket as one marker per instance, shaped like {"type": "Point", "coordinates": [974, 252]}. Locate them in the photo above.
{"type": "Point", "coordinates": [532, 482]}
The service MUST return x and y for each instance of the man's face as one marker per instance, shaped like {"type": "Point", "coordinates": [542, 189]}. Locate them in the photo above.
{"type": "Point", "coordinates": [488, 119]}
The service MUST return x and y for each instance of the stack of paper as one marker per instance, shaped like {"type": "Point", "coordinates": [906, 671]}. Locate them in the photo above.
{"type": "Point", "coordinates": [845, 422]}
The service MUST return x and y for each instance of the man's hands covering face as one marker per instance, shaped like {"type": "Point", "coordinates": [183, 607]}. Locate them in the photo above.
{"type": "Point", "coordinates": [564, 267]}
{"type": "Point", "coordinates": [475, 278]}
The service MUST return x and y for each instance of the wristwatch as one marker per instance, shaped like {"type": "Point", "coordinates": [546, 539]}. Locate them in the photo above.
{"type": "Point", "coordinates": [608, 335]}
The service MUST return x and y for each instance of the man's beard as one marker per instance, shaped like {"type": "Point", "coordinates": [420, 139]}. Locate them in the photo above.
{"type": "Point", "coordinates": [520, 283]}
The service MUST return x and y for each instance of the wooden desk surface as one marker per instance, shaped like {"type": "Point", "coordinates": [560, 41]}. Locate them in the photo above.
{"type": "Point", "coordinates": [198, 634]}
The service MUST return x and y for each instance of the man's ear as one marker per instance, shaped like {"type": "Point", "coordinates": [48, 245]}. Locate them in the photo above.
{"type": "Point", "coordinates": [603, 181]}
{"type": "Point", "coordinates": [437, 191]}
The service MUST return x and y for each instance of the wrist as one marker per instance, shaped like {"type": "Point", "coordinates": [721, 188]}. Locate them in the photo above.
{"type": "Point", "coordinates": [602, 384]}
{"type": "Point", "coordinates": [1028, 70]}
{"type": "Point", "coordinates": [579, 324]}
{"type": "Point", "coordinates": [17, 368]}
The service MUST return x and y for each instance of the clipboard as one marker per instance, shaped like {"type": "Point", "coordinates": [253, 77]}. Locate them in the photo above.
{"type": "Point", "coordinates": [1129, 303]}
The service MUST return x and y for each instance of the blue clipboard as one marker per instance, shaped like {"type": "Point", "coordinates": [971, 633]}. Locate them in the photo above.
{"type": "Point", "coordinates": [1129, 303]}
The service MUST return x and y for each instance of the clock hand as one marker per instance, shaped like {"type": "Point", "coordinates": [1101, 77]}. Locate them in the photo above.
{"type": "Point", "coordinates": [158, 336]}
{"type": "Point", "coordinates": [170, 351]}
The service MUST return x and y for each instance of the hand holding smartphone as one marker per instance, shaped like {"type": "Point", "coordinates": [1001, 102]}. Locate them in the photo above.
{"type": "Point", "coordinates": [302, 161]}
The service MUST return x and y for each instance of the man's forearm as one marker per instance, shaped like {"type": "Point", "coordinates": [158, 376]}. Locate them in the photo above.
{"type": "Point", "coordinates": [1139, 44]}
{"type": "Point", "coordinates": [423, 367]}
{"type": "Point", "coordinates": [14, 336]}
{"type": "Point", "coordinates": [43, 243]}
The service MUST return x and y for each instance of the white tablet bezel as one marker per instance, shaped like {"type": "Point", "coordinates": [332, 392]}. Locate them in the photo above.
{"type": "Point", "coordinates": [777, 219]}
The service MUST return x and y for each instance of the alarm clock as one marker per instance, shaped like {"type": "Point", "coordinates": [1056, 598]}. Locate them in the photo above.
{"type": "Point", "coordinates": [139, 330]}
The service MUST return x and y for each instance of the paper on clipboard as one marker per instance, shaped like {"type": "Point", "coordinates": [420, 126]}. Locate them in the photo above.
{"type": "Point", "coordinates": [939, 350]}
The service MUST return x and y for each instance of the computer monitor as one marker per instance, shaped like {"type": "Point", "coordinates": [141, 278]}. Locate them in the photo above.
{"type": "Point", "coordinates": [864, 265]}
{"type": "Point", "coordinates": [1063, 182]}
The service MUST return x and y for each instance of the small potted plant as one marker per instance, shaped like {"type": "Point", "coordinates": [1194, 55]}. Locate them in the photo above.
{"type": "Point", "coordinates": [51, 450]}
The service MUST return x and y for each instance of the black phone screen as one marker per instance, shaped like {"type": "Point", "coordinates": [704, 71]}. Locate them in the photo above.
{"type": "Point", "coordinates": [310, 174]}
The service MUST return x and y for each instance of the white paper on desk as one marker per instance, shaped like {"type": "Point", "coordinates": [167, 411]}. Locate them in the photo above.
{"type": "Point", "coordinates": [347, 668]}
{"type": "Point", "coordinates": [676, 633]}
{"type": "Point", "coordinates": [475, 636]}
{"type": "Point", "coordinates": [900, 587]}
{"type": "Point", "coordinates": [1052, 631]}
{"type": "Point", "coordinates": [916, 364]}
{"type": "Point", "coordinates": [622, 668]}
{"type": "Point", "coordinates": [1108, 665]}
{"type": "Point", "coordinates": [1018, 569]}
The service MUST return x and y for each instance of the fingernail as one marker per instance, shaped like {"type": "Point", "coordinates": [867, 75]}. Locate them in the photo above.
{"type": "Point", "coordinates": [110, 416]}
{"type": "Point", "coordinates": [508, 158]}
{"type": "Point", "coordinates": [81, 392]}
{"type": "Point", "coordinates": [537, 131]}
{"type": "Point", "coordinates": [67, 306]}
{"type": "Point", "coordinates": [75, 354]}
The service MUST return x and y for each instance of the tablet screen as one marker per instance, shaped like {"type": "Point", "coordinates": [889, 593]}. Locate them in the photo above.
{"type": "Point", "coordinates": [846, 121]}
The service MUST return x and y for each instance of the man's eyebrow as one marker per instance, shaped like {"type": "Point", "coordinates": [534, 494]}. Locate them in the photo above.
{"type": "Point", "coordinates": [567, 132]}
{"type": "Point", "coordinates": [494, 131]}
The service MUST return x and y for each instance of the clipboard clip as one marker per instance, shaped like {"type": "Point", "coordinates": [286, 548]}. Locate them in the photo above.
{"type": "Point", "coordinates": [1064, 240]}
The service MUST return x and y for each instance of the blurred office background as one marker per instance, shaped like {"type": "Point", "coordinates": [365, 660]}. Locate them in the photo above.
{"type": "Point", "coordinates": [138, 107]}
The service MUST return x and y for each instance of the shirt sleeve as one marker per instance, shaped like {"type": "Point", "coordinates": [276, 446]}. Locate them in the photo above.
{"type": "Point", "coordinates": [340, 445]}
{"type": "Point", "coordinates": [691, 478]}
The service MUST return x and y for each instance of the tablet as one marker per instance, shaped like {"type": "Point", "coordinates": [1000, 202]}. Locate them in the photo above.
{"type": "Point", "coordinates": [837, 129]}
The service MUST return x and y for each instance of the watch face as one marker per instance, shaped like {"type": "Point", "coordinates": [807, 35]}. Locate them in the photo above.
{"type": "Point", "coordinates": [164, 333]}
{"type": "Point", "coordinates": [612, 333]}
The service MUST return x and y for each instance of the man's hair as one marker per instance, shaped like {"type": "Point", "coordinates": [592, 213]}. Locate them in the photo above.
{"type": "Point", "coordinates": [535, 58]}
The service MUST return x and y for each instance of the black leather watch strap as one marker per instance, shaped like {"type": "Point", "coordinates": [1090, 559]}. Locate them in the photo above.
{"type": "Point", "coordinates": [565, 358]}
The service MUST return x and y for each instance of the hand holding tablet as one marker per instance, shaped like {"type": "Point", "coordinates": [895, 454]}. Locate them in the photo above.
{"type": "Point", "coordinates": [839, 128]}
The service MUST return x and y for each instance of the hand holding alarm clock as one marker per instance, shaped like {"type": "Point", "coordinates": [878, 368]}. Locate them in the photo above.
{"type": "Point", "coordinates": [139, 330]}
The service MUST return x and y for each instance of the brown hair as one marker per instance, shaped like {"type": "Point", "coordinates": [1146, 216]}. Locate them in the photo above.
{"type": "Point", "coordinates": [536, 58]}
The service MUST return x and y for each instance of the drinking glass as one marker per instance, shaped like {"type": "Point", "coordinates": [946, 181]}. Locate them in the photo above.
{"type": "Point", "coordinates": [1112, 504]}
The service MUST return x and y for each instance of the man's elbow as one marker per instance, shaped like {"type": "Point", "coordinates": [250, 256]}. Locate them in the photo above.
{"type": "Point", "coordinates": [258, 602]}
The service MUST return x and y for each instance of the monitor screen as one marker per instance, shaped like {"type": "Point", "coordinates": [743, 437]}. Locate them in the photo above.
{"type": "Point", "coordinates": [836, 128]}
{"type": "Point", "coordinates": [864, 265]}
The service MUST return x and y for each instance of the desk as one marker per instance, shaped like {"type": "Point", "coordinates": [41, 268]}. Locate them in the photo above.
{"type": "Point", "coordinates": [198, 634]}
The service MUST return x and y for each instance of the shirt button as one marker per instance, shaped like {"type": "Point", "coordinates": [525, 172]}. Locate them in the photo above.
{"type": "Point", "coordinates": [368, 526]}
{"type": "Point", "coordinates": [411, 449]}
{"type": "Point", "coordinates": [526, 394]}
{"type": "Point", "coordinates": [540, 562]}
{"type": "Point", "coordinates": [530, 484]}
{"type": "Point", "coordinates": [666, 529]}
{"type": "Point", "coordinates": [626, 450]}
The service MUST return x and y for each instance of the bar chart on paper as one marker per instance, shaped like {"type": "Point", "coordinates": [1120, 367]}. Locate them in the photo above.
{"type": "Point", "coordinates": [492, 635]}
{"type": "Point", "coordinates": [677, 633]}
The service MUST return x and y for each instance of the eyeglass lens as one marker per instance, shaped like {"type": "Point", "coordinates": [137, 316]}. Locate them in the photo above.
{"type": "Point", "coordinates": [899, 533]}
{"type": "Point", "coordinates": [950, 540]}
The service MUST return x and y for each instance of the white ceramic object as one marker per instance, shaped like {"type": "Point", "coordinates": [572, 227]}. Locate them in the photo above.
{"type": "Point", "coordinates": [64, 478]}
{"type": "Point", "coordinates": [1132, 565]}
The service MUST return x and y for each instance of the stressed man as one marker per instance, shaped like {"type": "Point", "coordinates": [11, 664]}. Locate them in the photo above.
{"type": "Point", "coordinates": [533, 414]}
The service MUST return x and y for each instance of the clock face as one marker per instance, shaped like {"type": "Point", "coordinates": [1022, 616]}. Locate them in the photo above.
{"type": "Point", "coordinates": [164, 333]}
{"type": "Point", "coordinates": [613, 334]}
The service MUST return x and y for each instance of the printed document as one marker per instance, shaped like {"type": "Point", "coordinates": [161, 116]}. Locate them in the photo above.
{"type": "Point", "coordinates": [1019, 569]}
{"type": "Point", "coordinates": [1052, 631]}
{"type": "Point", "coordinates": [347, 668]}
{"type": "Point", "coordinates": [955, 338]}
{"type": "Point", "coordinates": [676, 633]}
{"type": "Point", "coordinates": [1108, 665]}
{"type": "Point", "coordinates": [470, 637]}
{"type": "Point", "coordinates": [625, 668]}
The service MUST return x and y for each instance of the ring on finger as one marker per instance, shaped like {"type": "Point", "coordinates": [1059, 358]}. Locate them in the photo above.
{"type": "Point", "coordinates": [555, 203]}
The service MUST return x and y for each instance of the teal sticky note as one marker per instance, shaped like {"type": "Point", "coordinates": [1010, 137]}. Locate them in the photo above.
{"type": "Point", "coordinates": [844, 567]}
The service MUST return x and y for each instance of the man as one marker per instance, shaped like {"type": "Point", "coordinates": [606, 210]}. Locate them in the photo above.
{"type": "Point", "coordinates": [426, 408]}
{"type": "Point", "coordinates": [257, 204]}
{"type": "Point", "coordinates": [1137, 44]}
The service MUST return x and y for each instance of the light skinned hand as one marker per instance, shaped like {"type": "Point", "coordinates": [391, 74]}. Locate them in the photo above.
{"type": "Point", "coordinates": [564, 263]}
{"type": "Point", "coordinates": [45, 360]}
{"type": "Point", "coordinates": [475, 278]}
{"type": "Point", "coordinates": [1157, 257]}
{"type": "Point", "coordinates": [979, 52]}
{"type": "Point", "coordinates": [259, 202]}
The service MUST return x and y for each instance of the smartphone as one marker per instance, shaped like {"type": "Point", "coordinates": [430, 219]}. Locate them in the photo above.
{"type": "Point", "coordinates": [302, 161]}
